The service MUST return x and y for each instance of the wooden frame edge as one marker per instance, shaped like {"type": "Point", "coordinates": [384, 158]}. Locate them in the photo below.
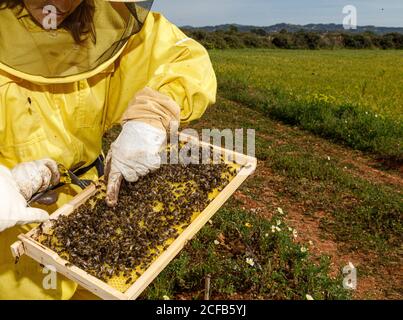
{"type": "Point", "coordinates": [28, 245]}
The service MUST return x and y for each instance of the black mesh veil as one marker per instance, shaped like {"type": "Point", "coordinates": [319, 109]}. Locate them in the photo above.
{"type": "Point", "coordinates": [139, 11]}
{"type": "Point", "coordinates": [26, 48]}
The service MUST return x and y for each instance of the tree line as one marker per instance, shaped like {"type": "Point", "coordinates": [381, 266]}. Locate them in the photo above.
{"type": "Point", "coordinates": [259, 38]}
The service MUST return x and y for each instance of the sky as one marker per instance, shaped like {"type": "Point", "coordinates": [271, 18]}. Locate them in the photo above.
{"type": "Point", "coordinates": [269, 12]}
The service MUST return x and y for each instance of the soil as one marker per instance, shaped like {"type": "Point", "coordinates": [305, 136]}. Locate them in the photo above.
{"type": "Point", "coordinates": [385, 281]}
{"type": "Point", "coordinates": [381, 279]}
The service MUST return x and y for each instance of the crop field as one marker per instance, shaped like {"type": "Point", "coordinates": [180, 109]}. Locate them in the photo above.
{"type": "Point", "coordinates": [328, 188]}
{"type": "Point", "coordinates": [351, 96]}
{"type": "Point", "coordinates": [371, 79]}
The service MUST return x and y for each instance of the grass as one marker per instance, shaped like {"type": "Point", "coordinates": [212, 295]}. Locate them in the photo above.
{"type": "Point", "coordinates": [353, 97]}
{"type": "Point", "coordinates": [373, 222]}
{"type": "Point", "coordinates": [365, 213]}
{"type": "Point", "coordinates": [278, 268]}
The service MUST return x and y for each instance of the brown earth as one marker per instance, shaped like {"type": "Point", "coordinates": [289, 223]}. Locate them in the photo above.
{"type": "Point", "coordinates": [381, 280]}
{"type": "Point", "coordinates": [378, 286]}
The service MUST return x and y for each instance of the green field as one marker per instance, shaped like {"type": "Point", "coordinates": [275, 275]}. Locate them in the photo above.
{"type": "Point", "coordinates": [355, 97]}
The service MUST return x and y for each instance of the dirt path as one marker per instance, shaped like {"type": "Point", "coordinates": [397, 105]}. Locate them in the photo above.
{"type": "Point", "coordinates": [268, 190]}
{"type": "Point", "coordinates": [380, 285]}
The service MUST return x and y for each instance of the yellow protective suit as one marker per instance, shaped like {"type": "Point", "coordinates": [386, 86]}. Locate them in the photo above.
{"type": "Point", "coordinates": [66, 122]}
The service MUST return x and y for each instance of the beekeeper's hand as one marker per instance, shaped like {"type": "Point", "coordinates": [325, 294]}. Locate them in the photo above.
{"type": "Point", "coordinates": [13, 208]}
{"type": "Point", "coordinates": [134, 154]}
{"type": "Point", "coordinates": [36, 176]}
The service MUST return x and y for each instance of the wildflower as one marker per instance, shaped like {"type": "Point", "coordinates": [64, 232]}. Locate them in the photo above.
{"type": "Point", "coordinates": [165, 297]}
{"type": "Point", "coordinates": [250, 262]}
{"type": "Point", "coordinates": [290, 229]}
{"type": "Point", "coordinates": [216, 242]}
{"type": "Point", "coordinates": [278, 222]}
{"type": "Point", "coordinates": [309, 297]}
{"type": "Point", "coordinates": [273, 229]}
{"type": "Point", "coordinates": [248, 225]}
{"type": "Point", "coordinates": [266, 235]}
{"type": "Point", "coordinates": [278, 229]}
{"type": "Point", "coordinates": [304, 249]}
{"type": "Point", "coordinates": [280, 210]}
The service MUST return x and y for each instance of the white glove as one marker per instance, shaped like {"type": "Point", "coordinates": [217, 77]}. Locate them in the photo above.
{"type": "Point", "coordinates": [13, 209]}
{"type": "Point", "coordinates": [36, 176]}
{"type": "Point", "coordinates": [134, 154]}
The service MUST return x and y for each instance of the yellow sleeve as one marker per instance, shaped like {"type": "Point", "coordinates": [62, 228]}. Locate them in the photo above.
{"type": "Point", "coordinates": [162, 58]}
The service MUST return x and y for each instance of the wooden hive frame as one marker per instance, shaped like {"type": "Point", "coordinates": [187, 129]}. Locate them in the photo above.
{"type": "Point", "coordinates": [32, 248]}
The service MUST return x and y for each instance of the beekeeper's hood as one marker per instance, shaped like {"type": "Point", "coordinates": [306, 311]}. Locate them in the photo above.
{"type": "Point", "coordinates": [30, 52]}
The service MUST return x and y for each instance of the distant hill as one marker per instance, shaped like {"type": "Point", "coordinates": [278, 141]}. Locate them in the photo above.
{"type": "Point", "coordinates": [331, 27]}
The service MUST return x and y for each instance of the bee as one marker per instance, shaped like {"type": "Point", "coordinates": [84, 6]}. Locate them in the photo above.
{"type": "Point", "coordinates": [109, 242]}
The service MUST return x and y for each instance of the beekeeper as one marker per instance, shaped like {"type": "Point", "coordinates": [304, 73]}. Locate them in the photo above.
{"type": "Point", "coordinates": [69, 70]}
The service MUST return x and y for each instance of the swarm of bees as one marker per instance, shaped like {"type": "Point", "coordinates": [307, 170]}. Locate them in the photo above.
{"type": "Point", "coordinates": [112, 242]}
